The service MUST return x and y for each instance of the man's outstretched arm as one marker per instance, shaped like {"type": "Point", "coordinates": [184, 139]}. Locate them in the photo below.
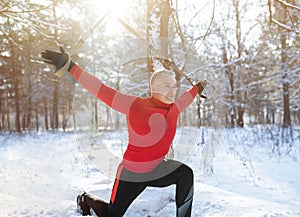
{"type": "Point", "coordinates": [113, 98]}
{"type": "Point", "coordinates": [110, 96]}
{"type": "Point", "coordinates": [187, 98]}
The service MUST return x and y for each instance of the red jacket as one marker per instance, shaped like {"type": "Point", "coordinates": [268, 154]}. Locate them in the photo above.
{"type": "Point", "coordinates": [151, 123]}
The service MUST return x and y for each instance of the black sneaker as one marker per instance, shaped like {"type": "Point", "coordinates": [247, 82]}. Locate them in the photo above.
{"type": "Point", "coordinates": [82, 207]}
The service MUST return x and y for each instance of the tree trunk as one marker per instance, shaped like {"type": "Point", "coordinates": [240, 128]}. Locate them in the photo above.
{"type": "Point", "coordinates": [1, 111]}
{"type": "Point", "coordinates": [157, 33]}
{"type": "Point", "coordinates": [29, 76]}
{"type": "Point", "coordinates": [15, 89]}
{"type": "Point", "coordinates": [54, 116]}
{"type": "Point", "coordinates": [29, 107]}
{"type": "Point", "coordinates": [230, 76]}
{"type": "Point", "coordinates": [198, 112]}
{"type": "Point", "coordinates": [36, 118]}
{"type": "Point", "coordinates": [285, 85]}
{"type": "Point", "coordinates": [96, 113]}
{"type": "Point", "coordinates": [46, 115]}
{"type": "Point", "coordinates": [8, 113]}
{"type": "Point", "coordinates": [286, 105]}
{"type": "Point", "coordinates": [239, 94]}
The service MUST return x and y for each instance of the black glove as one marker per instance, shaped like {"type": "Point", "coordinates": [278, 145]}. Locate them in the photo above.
{"type": "Point", "coordinates": [58, 59]}
{"type": "Point", "coordinates": [201, 85]}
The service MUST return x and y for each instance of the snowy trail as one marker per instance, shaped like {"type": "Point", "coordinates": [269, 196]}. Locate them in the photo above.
{"type": "Point", "coordinates": [41, 175]}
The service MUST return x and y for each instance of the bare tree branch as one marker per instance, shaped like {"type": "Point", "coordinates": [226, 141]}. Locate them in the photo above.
{"type": "Point", "coordinates": [175, 17]}
{"type": "Point", "coordinates": [288, 4]}
{"type": "Point", "coordinates": [277, 22]}
{"type": "Point", "coordinates": [270, 11]}
{"type": "Point", "coordinates": [282, 25]}
{"type": "Point", "coordinates": [211, 21]}
{"type": "Point", "coordinates": [23, 10]}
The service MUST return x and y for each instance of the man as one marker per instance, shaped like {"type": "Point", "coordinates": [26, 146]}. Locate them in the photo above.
{"type": "Point", "coordinates": [151, 129]}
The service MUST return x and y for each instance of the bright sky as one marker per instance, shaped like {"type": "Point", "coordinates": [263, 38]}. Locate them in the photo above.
{"type": "Point", "coordinates": [114, 8]}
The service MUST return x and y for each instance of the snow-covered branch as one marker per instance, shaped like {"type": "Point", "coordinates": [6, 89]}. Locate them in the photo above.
{"type": "Point", "coordinates": [288, 4]}
{"type": "Point", "coordinates": [282, 25]}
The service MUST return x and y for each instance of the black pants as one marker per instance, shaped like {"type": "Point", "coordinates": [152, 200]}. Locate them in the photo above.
{"type": "Point", "coordinates": [129, 185]}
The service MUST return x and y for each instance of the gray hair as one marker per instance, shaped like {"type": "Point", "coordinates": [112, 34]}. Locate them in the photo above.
{"type": "Point", "coordinates": [160, 72]}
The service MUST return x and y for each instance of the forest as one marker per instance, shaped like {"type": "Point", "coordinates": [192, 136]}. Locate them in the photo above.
{"type": "Point", "coordinates": [248, 51]}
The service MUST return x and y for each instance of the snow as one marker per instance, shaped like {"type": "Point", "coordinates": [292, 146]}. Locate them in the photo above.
{"type": "Point", "coordinates": [41, 175]}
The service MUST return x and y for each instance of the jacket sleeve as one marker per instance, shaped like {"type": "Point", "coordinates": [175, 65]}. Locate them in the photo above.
{"type": "Point", "coordinates": [110, 96]}
{"type": "Point", "coordinates": [186, 98]}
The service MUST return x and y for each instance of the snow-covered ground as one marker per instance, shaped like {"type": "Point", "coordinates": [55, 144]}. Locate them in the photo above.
{"type": "Point", "coordinates": [41, 175]}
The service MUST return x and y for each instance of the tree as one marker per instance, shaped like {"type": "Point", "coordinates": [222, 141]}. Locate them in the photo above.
{"type": "Point", "coordinates": [285, 16]}
{"type": "Point", "coordinates": [158, 17]}
{"type": "Point", "coordinates": [15, 74]}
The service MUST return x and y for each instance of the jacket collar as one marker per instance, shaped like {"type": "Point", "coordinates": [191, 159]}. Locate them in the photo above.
{"type": "Point", "coordinates": [159, 103]}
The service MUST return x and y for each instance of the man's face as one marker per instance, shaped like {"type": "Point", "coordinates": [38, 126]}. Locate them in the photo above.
{"type": "Point", "coordinates": [164, 88]}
